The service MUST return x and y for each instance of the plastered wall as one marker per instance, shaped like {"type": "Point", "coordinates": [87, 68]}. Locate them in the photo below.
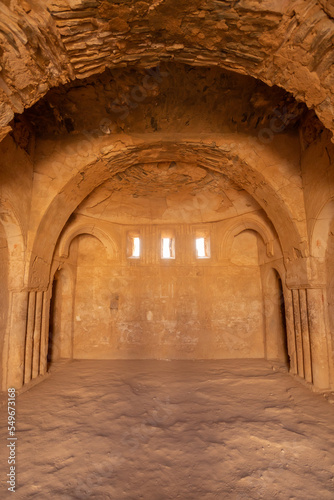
{"type": "Point", "coordinates": [177, 309]}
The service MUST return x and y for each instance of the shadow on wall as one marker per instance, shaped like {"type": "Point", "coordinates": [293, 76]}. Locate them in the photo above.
{"type": "Point", "coordinates": [61, 315]}
{"type": "Point", "coordinates": [276, 331]}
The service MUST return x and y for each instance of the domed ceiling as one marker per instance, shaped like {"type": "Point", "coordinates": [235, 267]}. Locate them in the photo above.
{"type": "Point", "coordinates": [167, 192]}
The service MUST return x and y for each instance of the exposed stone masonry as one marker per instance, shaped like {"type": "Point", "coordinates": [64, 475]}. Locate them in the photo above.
{"type": "Point", "coordinates": [170, 121]}
{"type": "Point", "coordinates": [283, 43]}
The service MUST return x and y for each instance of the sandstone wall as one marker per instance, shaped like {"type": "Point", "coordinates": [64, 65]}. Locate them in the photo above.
{"type": "Point", "coordinates": [167, 113]}
{"type": "Point", "coordinates": [44, 44]}
{"type": "Point", "coordinates": [172, 309]}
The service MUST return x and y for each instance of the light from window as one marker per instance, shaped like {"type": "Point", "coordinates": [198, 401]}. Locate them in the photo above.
{"type": "Point", "coordinates": [167, 248]}
{"type": "Point", "coordinates": [135, 247]}
{"type": "Point", "coordinates": [202, 248]}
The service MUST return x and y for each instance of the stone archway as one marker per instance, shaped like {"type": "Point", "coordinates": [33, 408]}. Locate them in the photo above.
{"type": "Point", "coordinates": [95, 173]}
{"type": "Point", "coordinates": [115, 159]}
{"type": "Point", "coordinates": [171, 290]}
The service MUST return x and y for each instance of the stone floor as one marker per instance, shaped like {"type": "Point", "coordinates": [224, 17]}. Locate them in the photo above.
{"type": "Point", "coordinates": [158, 430]}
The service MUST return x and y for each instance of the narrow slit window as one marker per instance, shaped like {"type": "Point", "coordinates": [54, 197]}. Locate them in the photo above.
{"type": "Point", "coordinates": [135, 247]}
{"type": "Point", "coordinates": [202, 248]}
{"type": "Point", "coordinates": [167, 248]}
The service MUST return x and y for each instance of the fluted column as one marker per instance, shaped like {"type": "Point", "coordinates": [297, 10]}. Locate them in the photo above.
{"type": "Point", "coordinates": [305, 336]}
{"type": "Point", "coordinates": [45, 333]}
{"type": "Point", "coordinates": [16, 339]}
{"type": "Point", "coordinates": [29, 337]}
{"type": "Point", "coordinates": [37, 334]}
{"type": "Point", "coordinates": [290, 331]}
{"type": "Point", "coordinates": [298, 333]}
{"type": "Point", "coordinates": [318, 338]}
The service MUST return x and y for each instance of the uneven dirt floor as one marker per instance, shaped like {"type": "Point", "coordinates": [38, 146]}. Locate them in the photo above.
{"type": "Point", "coordinates": [157, 430]}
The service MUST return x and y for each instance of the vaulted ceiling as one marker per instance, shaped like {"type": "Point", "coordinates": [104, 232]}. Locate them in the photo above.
{"type": "Point", "coordinates": [280, 42]}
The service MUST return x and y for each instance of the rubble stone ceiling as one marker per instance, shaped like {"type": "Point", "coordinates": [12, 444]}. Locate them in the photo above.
{"type": "Point", "coordinates": [173, 98]}
{"type": "Point", "coordinates": [167, 192]}
{"type": "Point", "coordinates": [281, 42]}
{"type": "Point", "coordinates": [179, 98]}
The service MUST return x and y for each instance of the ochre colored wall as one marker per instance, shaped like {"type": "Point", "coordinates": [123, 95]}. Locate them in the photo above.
{"type": "Point", "coordinates": [169, 309]}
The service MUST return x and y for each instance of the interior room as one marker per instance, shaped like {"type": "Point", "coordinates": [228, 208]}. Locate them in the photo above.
{"type": "Point", "coordinates": [167, 249]}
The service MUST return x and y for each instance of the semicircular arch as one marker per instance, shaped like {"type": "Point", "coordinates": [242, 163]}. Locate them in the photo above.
{"type": "Point", "coordinates": [95, 173]}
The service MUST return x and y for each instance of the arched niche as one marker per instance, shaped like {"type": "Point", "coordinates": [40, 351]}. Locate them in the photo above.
{"type": "Point", "coordinates": [79, 228]}
{"type": "Point", "coordinates": [91, 303]}
{"type": "Point", "coordinates": [244, 250]}
{"type": "Point", "coordinates": [61, 315]}
{"type": "Point", "coordinates": [70, 258]}
{"type": "Point", "coordinates": [276, 341]}
{"type": "Point", "coordinates": [252, 227]}
{"type": "Point", "coordinates": [245, 287]}
{"type": "Point", "coordinates": [80, 302]}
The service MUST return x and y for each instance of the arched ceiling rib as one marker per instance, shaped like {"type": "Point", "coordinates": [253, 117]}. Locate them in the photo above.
{"type": "Point", "coordinates": [286, 43]}
{"type": "Point", "coordinates": [173, 98]}
{"type": "Point", "coordinates": [167, 192]}
{"type": "Point", "coordinates": [93, 175]}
